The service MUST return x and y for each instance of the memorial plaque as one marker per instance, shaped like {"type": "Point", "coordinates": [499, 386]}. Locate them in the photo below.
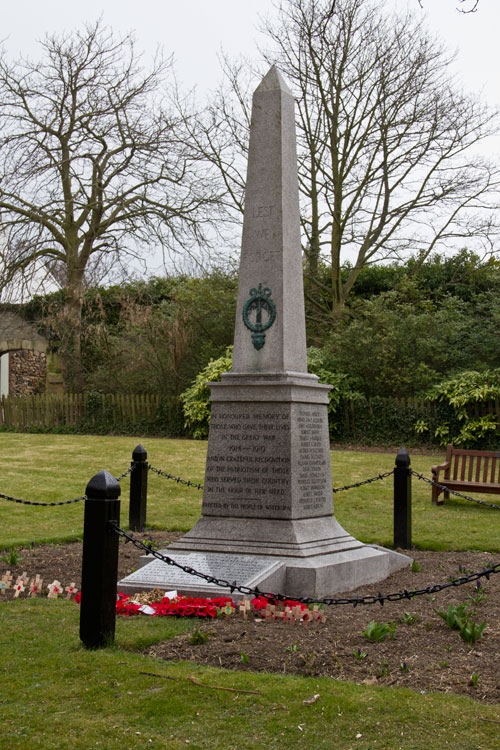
{"type": "Point", "coordinates": [245, 570]}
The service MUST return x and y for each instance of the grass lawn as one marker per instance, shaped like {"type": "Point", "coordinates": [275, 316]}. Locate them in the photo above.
{"type": "Point", "coordinates": [57, 467]}
{"type": "Point", "coordinates": [55, 694]}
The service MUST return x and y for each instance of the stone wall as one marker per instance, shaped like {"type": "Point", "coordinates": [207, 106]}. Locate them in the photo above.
{"type": "Point", "coordinates": [27, 372]}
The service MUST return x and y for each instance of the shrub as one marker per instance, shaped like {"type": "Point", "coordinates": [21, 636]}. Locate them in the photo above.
{"type": "Point", "coordinates": [461, 394]}
{"type": "Point", "coordinates": [196, 399]}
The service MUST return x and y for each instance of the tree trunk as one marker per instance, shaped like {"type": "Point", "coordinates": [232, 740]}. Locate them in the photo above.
{"type": "Point", "coordinates": [337, 291]}
{"type": "Point", "coordinates": [311, 270]}
{"type": "Point", "coordinates": [72, 344]}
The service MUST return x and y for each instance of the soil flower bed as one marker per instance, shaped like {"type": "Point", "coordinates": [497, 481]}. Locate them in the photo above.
{"type": "Point", "coordinates": [420, 651]}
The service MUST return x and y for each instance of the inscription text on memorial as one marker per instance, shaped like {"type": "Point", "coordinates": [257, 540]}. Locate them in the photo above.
{"type": "Point", "coordinates": [268, 460]}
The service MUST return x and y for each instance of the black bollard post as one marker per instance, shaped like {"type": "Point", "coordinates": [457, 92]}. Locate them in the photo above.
{"type": "Point", "coordinates": [402, 500]}
{"type": "Point", "coordinates": [138, 489]}
{"type": "Point", "coordinates": [100, 561]}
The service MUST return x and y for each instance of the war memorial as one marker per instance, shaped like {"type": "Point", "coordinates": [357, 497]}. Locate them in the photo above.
{"type": "Point", "coordinates": [267, 515]}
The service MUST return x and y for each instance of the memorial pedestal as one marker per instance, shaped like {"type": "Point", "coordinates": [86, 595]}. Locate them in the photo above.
{"type": "Point", "coordinates": [267, 517]}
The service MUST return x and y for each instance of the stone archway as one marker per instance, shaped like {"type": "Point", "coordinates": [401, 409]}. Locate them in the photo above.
{"type": "Point", "coordinates": [23, 361]}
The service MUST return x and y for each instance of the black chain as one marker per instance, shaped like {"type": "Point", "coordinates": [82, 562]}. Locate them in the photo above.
{"type": "Point", "coordinates": [198, 486]}
{"type": "Point", "coordinates": [165, 474]}
{"type": "Point", "coordinates": [365, 481]}
{"type": "Point", "coordinates": [453, 492]}
{"type": "Point", "coordinates": [125, 473]}
{"type": "Point", "coordinates": [30, 502]}
{"type": "Point", "coordinates": [378, 599]}
{"type": "Point", "coordinates": [63, 502]}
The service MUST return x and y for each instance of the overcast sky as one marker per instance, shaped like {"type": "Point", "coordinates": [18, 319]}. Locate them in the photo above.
{"type": "Point", "coordinates": [195, 31]}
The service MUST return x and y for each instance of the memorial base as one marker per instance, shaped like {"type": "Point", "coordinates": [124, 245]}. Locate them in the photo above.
{"type": "Point", "coordinates": [300, 537]}
{"type": "Point", "coordinates": [318, 575]}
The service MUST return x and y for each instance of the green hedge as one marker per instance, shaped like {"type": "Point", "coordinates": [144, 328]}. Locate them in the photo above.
{"type": "Point", "coordinates": [383, 421]}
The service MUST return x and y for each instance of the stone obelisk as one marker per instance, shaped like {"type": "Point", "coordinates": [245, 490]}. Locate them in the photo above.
{"type": "Point", "coordinates": [267, 513]}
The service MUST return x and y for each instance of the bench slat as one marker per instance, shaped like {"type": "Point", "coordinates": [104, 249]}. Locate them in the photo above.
{"type": "Point", "coordinates": [485, 469]}
{"type": "Point", "coordinates": [478, 469]}
{"type": "Point", "coordinates": [466, 465]}
{"type": "Point", "coordinates": [472, 486]}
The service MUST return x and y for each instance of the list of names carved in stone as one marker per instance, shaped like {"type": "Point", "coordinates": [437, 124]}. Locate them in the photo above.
{"type": "Point", "coordinates": [313, 462]}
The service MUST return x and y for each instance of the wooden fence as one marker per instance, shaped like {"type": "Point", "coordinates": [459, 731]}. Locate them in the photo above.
{"type": "Point", "coordinates": [70, 410]}
{"type": "Point", "coordinates": [123, 411]}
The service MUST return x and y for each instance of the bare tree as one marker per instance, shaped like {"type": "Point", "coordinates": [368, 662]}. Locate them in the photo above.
{"type": "Point", "coordinates": [385, 140]}
{"type": "Point", "coordinates": [94, 166]}
{"type": "Point", "coordinates": [466, 6]}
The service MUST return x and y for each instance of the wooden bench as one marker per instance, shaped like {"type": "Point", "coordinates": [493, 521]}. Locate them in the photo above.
{"type": "Point", "coordinates": [467, 471]}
